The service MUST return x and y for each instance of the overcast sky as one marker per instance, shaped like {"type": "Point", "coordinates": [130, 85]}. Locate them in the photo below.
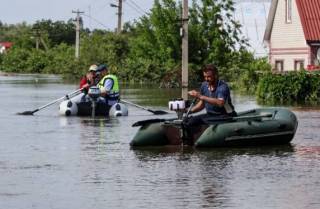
{"type": "Point", "coordinates": [102, 14]}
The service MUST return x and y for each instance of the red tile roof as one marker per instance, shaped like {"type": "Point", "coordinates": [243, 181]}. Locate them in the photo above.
{"type": "Point", "coordinates": [309, 11]}
{"type": "Point", "coordinates": [6, 44]}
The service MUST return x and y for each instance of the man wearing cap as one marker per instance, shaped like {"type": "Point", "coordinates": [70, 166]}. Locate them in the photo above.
{"type": "Point", "coordinates": [108, 85]}
{"type": "Point", "coordinates": [88, 80]}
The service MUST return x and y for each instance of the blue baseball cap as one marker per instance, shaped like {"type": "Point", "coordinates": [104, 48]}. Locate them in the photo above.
{"type": "Point", "coordinates": [101, 68]}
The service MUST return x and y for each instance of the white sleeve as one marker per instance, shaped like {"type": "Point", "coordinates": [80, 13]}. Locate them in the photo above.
{"type": "Point", "coordinates": [108, 84]}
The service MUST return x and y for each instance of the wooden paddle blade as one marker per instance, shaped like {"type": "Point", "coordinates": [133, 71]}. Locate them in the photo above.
{"type": "Point", "coordinates": [28, 112]}
{"type": "Point", "coordinates": [149, 121]}
{"type": "Point", "coordinates": [158, 112]}
{"type": "Point", "coordinates": [25, 113]}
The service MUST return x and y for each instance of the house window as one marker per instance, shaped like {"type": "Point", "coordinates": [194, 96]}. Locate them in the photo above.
{"type": "Point", "coordinates": [279, 65]}
{"type": "Point", "coordinates": [298, 65]}
{"type": "Point", "coordinates": [288, 11]}
{"type": "Point", "coordinates": [317, 61]}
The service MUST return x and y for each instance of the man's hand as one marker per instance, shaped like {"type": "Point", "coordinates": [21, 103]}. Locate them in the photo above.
{"type": "Point", "coordinates": [84, 90]}
{"type": "Point", "coordinates": [195, 94]}
{"type": "Point", "coordinates": [86, 86]}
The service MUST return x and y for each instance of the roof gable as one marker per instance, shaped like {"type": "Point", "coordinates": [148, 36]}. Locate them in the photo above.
{"type": "Point", "coordinates": [272, 13]}
{"type": "Point", "coordinates": [309, 13]}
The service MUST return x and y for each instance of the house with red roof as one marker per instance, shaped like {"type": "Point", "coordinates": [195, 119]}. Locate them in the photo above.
{"type": "Point", "coordinates": [293, 34]}
{"type": "Point", "coordinates": [4, 46]}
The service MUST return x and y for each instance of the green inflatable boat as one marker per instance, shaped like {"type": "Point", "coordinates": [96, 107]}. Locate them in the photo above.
{"type": "Point", "coordinates": [262, 126]}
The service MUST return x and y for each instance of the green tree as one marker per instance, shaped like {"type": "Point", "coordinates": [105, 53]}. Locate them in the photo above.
{"type": "Point", "coordinates": [214, 37]}
{"type": "Point", "coordinates": [155, 47]}
{"type": "Point", "coordinates": [14, 60]}
{"type": "Point", "coordinates": [108, 48]}
{"type": "Point", "coordinates": [20, 34]}
{"type": "Point", "coordinates": [61, 61]}
{"type": "Point", "coordinates": [57, 32]}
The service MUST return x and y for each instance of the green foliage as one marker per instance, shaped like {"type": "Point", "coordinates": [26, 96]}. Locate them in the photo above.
{"type": "Point", "coordinates": [56, 32]}
{"type": "Point", "coordinates": [61, 60]}
{"type": "Point", "coordinates": [108, 48]}
{"type": "Point", "coordinates": [19, 34]}
{"type": "Point", "coordinates": [12, 61]}
{"type": "Point", "coordinates": [58, 60]}
{"type": "Point", "coordinates": [36, 61]}
{"type": "Point", "coordinates": [213, 38]}
{"type": "Point", "coordinates": [155, 47]}
{"type": "Point", "coordinates": [247, 71]}
{"type": "Point", "coordinates": [293, 86]}
{"type": "Point", "coordinates": [214, 35]}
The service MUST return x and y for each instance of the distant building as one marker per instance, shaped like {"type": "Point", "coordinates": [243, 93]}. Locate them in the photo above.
{"type": "Point", "coordinates": [4, 46]}
{"type": "Point", "coordinates": [293, 34]}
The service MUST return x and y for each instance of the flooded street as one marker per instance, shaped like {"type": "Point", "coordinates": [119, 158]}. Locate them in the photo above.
{"type": "Point", "coordinates": [50, 161]}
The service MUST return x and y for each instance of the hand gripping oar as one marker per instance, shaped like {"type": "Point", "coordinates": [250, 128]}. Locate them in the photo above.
{"type": "Point", "coordinates": [51, 103]}
{"type": "Point", "coordinates": [158, 120]}
{"type": "Point", "coordinates": [189, 109]}
{"type": "Point", "coordinates": [156, 112]}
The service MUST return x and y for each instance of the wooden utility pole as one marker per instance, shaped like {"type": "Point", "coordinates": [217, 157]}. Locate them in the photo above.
{"type": "Point", "coordinates": [77, 32]}
{"type": "Point", "coordinates": [37, 34]}
{"type": "Point", "coordinates": [185, 51]}
{"type": "Point", "coordinates": [37, 41]}
{"type": "Point", "coordinates": [119, 13]}
{"type": "Point", "coordinates": [119, 16]}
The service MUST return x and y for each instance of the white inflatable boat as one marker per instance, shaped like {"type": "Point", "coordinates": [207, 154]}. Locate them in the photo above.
{"type": "Point", "coordinates": [90, 105]}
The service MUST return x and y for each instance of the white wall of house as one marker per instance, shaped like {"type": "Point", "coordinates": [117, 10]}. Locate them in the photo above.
{"type": "Point", "coordinates": [287, 41]}
{"type": "Point", "coordinates": [2, 49]}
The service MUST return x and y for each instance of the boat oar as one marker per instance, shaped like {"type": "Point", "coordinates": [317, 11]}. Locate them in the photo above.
{"type": "Point", "coordinates": [156, 112]}
{"type": "Point", "coordinates": [240, 118]}
{"type": "Point", "coordinates": [51, 103]}
{"type": "Point", "coordinates": [158, 120]}
{"type": "Point", "coordinates": [150, 121]}
{"type": "Point", "coordinates": [190, 107]}
{"type": "Point", "coordinates": [209, 121]}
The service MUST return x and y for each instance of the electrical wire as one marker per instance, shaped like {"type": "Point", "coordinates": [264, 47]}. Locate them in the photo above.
{"type": "Point", "coordinates": [141, 11]}
{"type": "Point", "coordinates": [97, 21]}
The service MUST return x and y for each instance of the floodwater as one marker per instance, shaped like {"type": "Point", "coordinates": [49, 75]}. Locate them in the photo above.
{"type": "Point", "coordinates": [49, 161]}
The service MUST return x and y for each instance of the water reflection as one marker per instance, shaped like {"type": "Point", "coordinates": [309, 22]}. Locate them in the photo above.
{"type": "Point", "coordinates": [30, 79]}
{"type": "Point", "coordinates": [206, 176]}
{"type": "Point", "coordinates": [211, 154]}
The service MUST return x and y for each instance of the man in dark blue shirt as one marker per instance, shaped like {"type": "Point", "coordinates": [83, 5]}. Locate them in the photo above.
{"type": "Point", "coordinates": [214, 96]}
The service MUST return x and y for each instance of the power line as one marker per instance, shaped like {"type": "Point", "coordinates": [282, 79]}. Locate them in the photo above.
{"type": "Point", "coordinates": [95, 9]}
{"type": "Point", "coordinates": [102, 7]}
{"type": "Point", "coordinates": [97, 21]}
{"type": "Point", "coordinates": [136, 7]}
{"type": "Point", "coordinates": [99, 7]}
